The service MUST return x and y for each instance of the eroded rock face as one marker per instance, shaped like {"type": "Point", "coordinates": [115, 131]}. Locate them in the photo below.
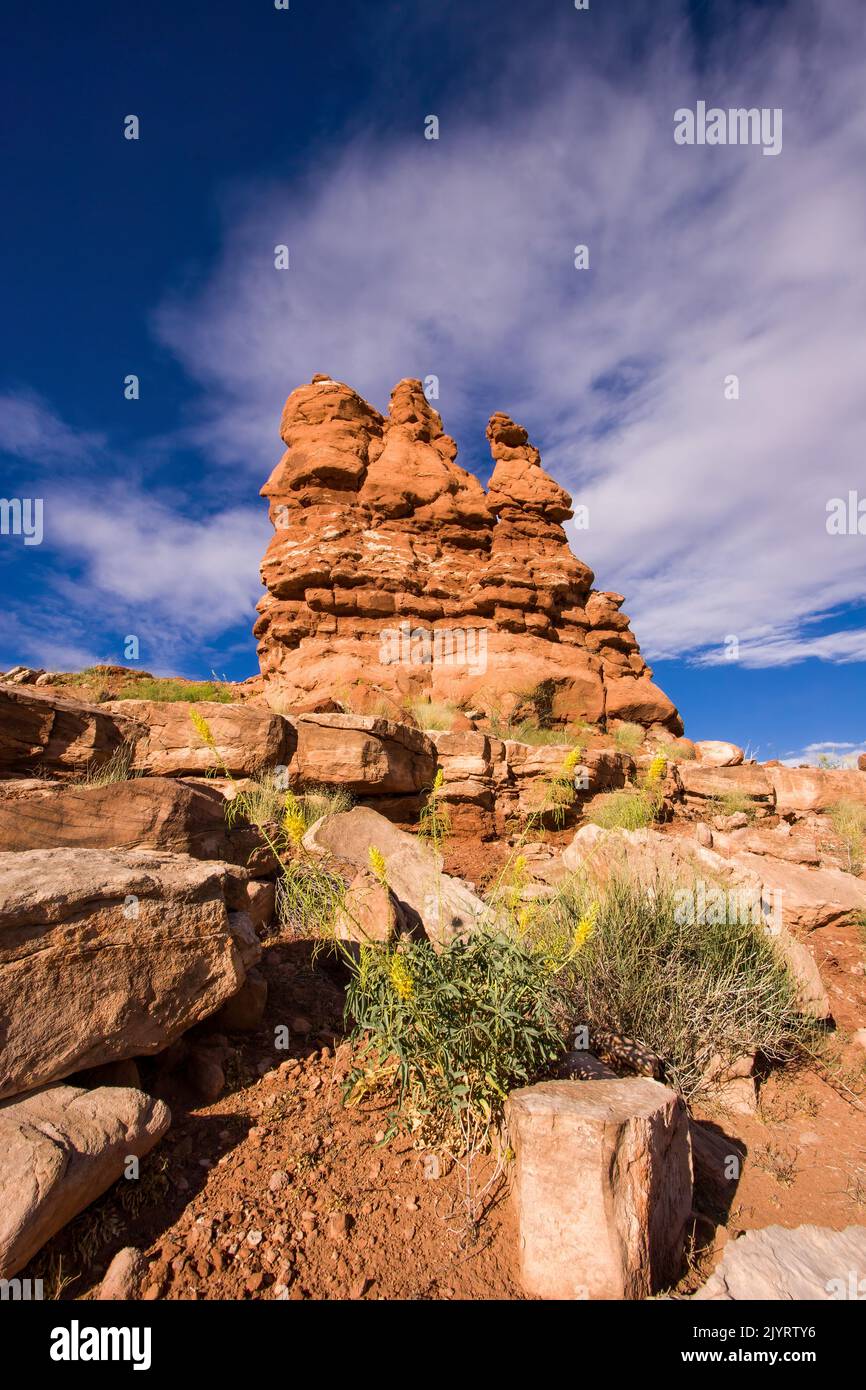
{"type": "Point", "coordinates": [110, 954]}
{"type": "Point", "coordinates": [603, 1186]}
{"type": "Point", "coordinates": [62, 1148]}
{"type": "Point", "coordinates": [392, 569]}
{"type": "Point", "coordinates": [38, 729]}
{"type": "Point", "coordinates": [143, 813]}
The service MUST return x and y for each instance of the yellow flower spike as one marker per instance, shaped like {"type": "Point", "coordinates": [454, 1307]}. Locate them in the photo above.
{"type": "Point", "coordinates": [438, 780]}
{"type": "Point", "coordinates": [585, 928]}
{"type": "Point", "coordinates": [377, 864]}
{"type": "Point", "coordinates": [656, 770]}
{"type": "Point", "coordinates": [294, 824]}
{"type": "Point", "coordinates": [571, 761]}
{"type": "Point", "coordinates": [401, 977]}
{"type": "Point", "coordinates": [202, 728]}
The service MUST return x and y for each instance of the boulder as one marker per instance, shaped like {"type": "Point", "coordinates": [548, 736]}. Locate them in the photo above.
{"type": "Point", "coordinates": [369, 911]}
{"type": "Point", "coordinates": [701, 783]}
{"type": "Point", "coordinates": [361, 753]}
{"type": "Point", "coordinates": [603, 1187]}
{"type": "Point", "coordinates": [806, 1263]}
{"type": "Point", "coordinates": [61, 1148]}
{"type": "Point", "coordinates": [801, 789]}
{"type": "Point", "coordinates": [443, 905]}
{"type": "Point", "coordinates": [110, 954]}
{"type": "Point", "coordinates": [125, 1275]}
{"type": "Point", "coordinates": [712, 752]}
{"type": "Point", "coordinates": [243, 1013]}
{"type": "Point", "coordinates": [41, 730]}
{"type": "Point", "coordinates": [143, 813]}
{"type": "Point", "coordinates": [247, 738]}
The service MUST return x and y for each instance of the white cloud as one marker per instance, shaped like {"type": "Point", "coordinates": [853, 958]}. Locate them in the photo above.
{"type": "Point", "coordinates": [181, 578]}
{"type": "Point", "coordinates": [455, 257]}
{"type": "Point", "coordinates": [31, 430]}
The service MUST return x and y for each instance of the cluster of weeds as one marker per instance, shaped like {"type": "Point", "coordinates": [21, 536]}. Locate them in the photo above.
{"type": "Point", "coordinates": [117, 768]}
{"type": "Point", "coordinates": [848, 819]}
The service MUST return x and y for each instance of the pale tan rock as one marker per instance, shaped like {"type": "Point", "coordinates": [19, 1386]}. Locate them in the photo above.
{"type": "Point", "coordinates": [712, 752]}
{"type": "Point", "coordinates": [781, 1264]}
{"type": "Point", "coordinates": [603, 1187]}
{"type": "Point", "coordinates": [110, 954]}
{"type": "Point", "coordinates": [701, 783]}
{"type": "Point", "coordinates": [369, 911]}
{"type": "Point", "coordinates": [443, 905]}
{"type": "Point", "coordinates": [125, 1275]}
{"type": "Point", "coordinates": [801, 789]}
{"type": "Point", "coordinates": [61, 1148]}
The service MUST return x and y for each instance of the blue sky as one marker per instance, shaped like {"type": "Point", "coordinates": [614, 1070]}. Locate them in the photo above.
{"type": "Point", "coordinates": [453, 257]}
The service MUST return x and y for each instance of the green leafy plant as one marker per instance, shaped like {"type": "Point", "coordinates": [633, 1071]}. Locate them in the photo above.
{"type": "Point", "coordinates": [732, 803]}
{"type": "Point", "coordinates": [630, 808]}
{"type": "Point", "coordinates": [453, 1031]}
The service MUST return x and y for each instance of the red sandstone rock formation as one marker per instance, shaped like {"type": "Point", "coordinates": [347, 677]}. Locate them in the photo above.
{"type": "Point", "coordinates": [393, 574]}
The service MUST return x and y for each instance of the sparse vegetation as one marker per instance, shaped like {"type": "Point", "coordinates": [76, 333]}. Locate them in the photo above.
{"type": "Point", "coordinates": [171, 690]}
{"type": "Point", "coordinates": [688, 991]}
{"type": "Point", "coordinates": [117, 768]}
{"type": "Point", "coordinates": [628, 737]}
{"type": "Point", "coordinates": [732, 803]}
{"type": "Point", "coordinates": [849, 822]}
{"type": "Point", "coordinates": [432, 714]}
{"type": "Point", "coordinates": [263, 801]}
{"type": "Point", "coordinates": [630, 808]}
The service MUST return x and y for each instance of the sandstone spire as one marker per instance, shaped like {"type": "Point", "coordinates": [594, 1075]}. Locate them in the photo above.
{"type": "Point", "coordinates": [379, 535]}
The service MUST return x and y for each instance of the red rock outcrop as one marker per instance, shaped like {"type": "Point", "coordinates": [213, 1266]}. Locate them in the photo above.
{"type": "Point", "coordinates": [392, 574]}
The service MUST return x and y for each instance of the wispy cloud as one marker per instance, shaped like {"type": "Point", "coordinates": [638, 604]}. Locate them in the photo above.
{"type": "Point", "coordinates": [30, 429]}
{"type": "Point", "coordinates": [455, 257]}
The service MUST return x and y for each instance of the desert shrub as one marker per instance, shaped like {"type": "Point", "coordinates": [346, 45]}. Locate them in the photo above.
{"type": "Point", "coordinates": [629, 737]}
{"type": "Point", "coordinates": [171, 690]}
{"type": "Point", "coordinates": [527, 731]}
{"type": "Point", "coordinates": [541, 698]}
{"type": "Point", "coordinates": [432, 714]}
{"type": "Point", "coordinates": [309, 896]}
{"type": "Point", "coordinates": [687, 990]}
{"type": "Point", "coordinates": [453, 1031]}
{"type": "Point", "coordinates": [264, 800]}
{"type": "Point", "coordinates": [849, 821]}
{"type": "Point", "coordinates": [117, 768]}
{"type": "Point", "coordinates": [630, 808]}
{"type": "Point", "coordinates": [675, 753]}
